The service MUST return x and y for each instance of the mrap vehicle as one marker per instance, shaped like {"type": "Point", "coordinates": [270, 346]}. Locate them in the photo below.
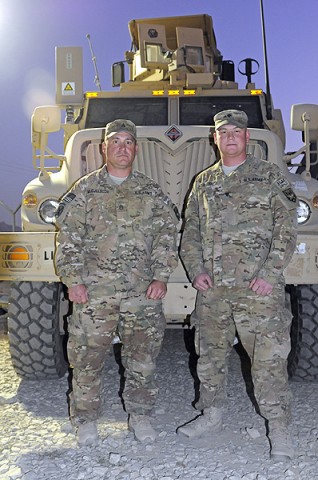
{"type": "Point", "coordinates": [177, 82]}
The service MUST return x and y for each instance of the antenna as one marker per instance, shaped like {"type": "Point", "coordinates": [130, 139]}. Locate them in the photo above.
{"type": "Point", "coordinates": [96, 79]}
{"type": "Point", "coordinates": [267, 86]}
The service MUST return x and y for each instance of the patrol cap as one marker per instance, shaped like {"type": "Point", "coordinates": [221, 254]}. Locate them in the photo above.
{"type": "Point", "coordinates": [231, 117]}
{"type": "Point", "coordinates": [120, 125]}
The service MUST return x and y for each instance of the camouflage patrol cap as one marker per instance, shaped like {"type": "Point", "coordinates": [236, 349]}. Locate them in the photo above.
{"type": "Point", "coordinates": [231, 117]}
{"type": "Point", "coordinates": [120, 125]}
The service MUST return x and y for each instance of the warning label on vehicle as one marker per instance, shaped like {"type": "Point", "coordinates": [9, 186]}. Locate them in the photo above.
{"type": "Point", "coordinates": [68, 88]}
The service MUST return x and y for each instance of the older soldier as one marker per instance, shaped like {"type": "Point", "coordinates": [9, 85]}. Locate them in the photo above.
{"type": "Point", "coordinates": [116, 248]}
{"type": "Point", "coordinates": [239, 235]}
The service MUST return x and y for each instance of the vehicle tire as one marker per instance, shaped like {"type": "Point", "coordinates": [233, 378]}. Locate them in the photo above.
{"type": "Point", "coordinates": [36, 344]}
{"type": "Point", "coordinates": [303, 358]}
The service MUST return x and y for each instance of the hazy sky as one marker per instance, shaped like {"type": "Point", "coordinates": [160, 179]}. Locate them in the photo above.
{"type": "Point", "coordinates": [30, 30]}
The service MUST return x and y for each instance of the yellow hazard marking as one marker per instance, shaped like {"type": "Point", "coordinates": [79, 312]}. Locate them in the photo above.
{"type": "Point", "coordinates": [68, 88]}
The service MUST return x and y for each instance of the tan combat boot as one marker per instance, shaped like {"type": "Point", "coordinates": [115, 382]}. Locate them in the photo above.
{"type": "Point", "coordinates": [87, 434]}
{"type": "Point", "coordinates": [281, 447]}
{"type": "Point", "coordinates": [209, 421]}
{"type": "Point", "coordinates": [142, 428]}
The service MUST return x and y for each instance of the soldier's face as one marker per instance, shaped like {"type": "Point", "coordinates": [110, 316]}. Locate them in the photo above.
{"type": "Point", "coordinates": [231, 140]}
{"type": "Point", "coordinates": [120, 151]}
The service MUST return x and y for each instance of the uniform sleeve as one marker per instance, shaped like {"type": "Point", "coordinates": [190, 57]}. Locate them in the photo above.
{"type": "Point", "coordinates": [191, 246]}
{"type": "Point", "coordinates": [70, 221]}
{"type": "Point", "coordinates": [164, 256]}
{"type": "Point", "coordinates": [284, 235]}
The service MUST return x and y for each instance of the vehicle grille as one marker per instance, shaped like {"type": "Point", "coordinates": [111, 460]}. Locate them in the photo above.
{"type": "Point", "coordinates": [174, 170]}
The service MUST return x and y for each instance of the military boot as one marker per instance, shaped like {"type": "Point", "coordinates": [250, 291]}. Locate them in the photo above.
{"type": "Point", "coordinates": [209, 421]}
{"type": "Point", "coordinates": [142, 428]}
{"type": "Point", "coordinates": [87, 434]}
{"type": "Point", "coordinates": [281, 447]}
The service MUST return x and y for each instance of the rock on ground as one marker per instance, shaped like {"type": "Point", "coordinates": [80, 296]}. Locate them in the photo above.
{"type": "Point", "coordinates": [37, 442]}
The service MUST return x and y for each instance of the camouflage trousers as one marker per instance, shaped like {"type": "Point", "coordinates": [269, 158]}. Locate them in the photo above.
{"type": "Point", "coordinates": [140, 324]}
{"type": "Point", "coordinates": [263, 327]}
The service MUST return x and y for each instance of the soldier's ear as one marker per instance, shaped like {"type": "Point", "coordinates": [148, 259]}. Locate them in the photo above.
{"type": "Point", "coordinates": [104, 147]}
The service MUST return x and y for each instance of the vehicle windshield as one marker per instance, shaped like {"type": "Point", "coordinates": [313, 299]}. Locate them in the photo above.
{"type": "Point", "coordinates": [142, 111]}
{"type": "Point", "coordinates": [152, 111]}
{"type": "Point", "coordinates": [201, 110]}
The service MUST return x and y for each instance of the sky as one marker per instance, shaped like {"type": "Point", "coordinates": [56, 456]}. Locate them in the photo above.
{"type": "Point", "coordinates": [31, 29]}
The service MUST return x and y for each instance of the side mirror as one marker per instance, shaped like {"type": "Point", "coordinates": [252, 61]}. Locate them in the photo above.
{"type": "Point", "coordinates": [304, 112]}
{"type": "Point", "coordinates": [46, 119]}
{"type": "Point", "coordinates": [118, 74]}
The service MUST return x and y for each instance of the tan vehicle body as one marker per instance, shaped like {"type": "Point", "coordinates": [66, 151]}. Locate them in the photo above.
{"type": "Point", "coordinates": [177, 82]}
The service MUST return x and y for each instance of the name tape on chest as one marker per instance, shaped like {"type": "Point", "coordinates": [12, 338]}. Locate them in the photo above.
{"type": "Point", "coordinates": [253, 179]}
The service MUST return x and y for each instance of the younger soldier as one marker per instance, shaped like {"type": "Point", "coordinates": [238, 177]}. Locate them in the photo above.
{"type": "Point", "coordinates": [239, 235]}
{"type": "Point", "coordinates": [116, 248]}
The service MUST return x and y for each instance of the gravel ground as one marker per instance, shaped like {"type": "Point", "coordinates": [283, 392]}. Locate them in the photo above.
{"type": "Point", "coordinates": [37, 443]}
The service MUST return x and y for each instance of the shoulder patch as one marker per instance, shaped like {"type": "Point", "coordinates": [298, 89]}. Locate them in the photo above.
{"type": "Point", "coordinates": [290, 195]}
{"type": "Point", "coordinates": [285, 187]}
{"type": "Point", "coordinates": [66, 200]}
{"type": "Point", "coordinates": [282, 183]}
{"type": "Point", "coordinates": [69, 198]}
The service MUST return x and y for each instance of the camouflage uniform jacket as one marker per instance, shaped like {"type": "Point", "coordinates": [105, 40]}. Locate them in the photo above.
{"type": "Point", "coordinates": [241, 226]}
{"type": "Point", "coordinates": [119, 236]}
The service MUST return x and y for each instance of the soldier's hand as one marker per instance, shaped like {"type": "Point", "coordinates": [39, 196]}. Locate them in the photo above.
{"type": "Point", "coordinates": [202, 282]}
{"type": "Point", "coordinates": [261, 287]}
{"type": "Point", "coordinates": [156, 290]}
{"type": "Point", "coordinates": [78, 294]}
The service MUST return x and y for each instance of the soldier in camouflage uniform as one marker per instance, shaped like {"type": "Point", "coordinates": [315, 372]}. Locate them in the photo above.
{"type": "Point", "coordinates": [239, 235]}
{"type": "Point", "coordinates": [116, 248]}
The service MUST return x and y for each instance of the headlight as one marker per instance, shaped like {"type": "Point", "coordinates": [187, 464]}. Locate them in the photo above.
{"type": "Point", "coordinates": [48, 210]}
{"type": "Point", "coordinates": [303, 212]}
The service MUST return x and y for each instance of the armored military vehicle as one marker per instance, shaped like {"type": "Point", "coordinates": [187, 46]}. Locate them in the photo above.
{"type": "Point", "coordinates": [178, 80]}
